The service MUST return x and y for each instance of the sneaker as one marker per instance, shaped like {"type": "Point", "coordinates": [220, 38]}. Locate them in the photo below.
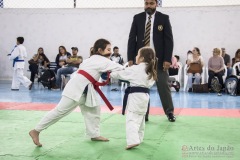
{"type": "Point", "coordinates": [55, 87]}
{"type": "Point", "coordinates": [190, 90]}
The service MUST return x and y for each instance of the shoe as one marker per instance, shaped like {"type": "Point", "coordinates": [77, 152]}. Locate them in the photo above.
{"type": "Point", "coordinates": [30, 86]}
{"type": "Point", "coordinates": [146, 119]}
{"type": "Point", "coordinates": [55, 87]}
{"type": "Point", "coordinates": [114, 89]}
{"type": "Point", "coordinates": [171, 117]}
{"type": "Point", "coordinates": [14, 89]}
{"type": "Point", "coordinates": [190, 90]}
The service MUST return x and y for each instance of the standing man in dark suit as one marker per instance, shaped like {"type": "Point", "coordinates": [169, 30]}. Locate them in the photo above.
{"type": "Point", "coordinates": [152, 28]}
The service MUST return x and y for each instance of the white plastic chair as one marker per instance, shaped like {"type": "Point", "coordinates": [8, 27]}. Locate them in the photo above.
{"type": "Point", "coordinates": [186, 76]}
{"type": "Point", "coordinates": [178, 77]}
{"type": "Point", "coordinates": [224, 76]}
{"type": "Point", "coordinates": [234, 71]}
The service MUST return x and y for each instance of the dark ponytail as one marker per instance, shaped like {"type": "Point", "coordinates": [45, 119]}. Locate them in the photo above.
{"type": "Point", "coordinates": [100, 43]}
{"type": "Point", "coordinates": [150, 58]}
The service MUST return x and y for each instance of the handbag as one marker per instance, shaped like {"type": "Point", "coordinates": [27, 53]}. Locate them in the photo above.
{"type": "Point", "coordinates": [200, 88]}
{"type": "Point", "coordinates": [194, 68]}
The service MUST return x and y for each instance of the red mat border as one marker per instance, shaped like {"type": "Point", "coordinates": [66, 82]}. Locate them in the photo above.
{"type": "Point", "coordinates": [234, 113]}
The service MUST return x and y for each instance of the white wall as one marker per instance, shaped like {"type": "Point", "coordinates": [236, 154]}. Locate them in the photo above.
{"type": "Point", "coordinates": [204, 27]}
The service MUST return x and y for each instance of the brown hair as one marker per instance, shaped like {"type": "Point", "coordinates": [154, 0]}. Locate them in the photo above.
{"type": "Point", "coordinates": [65, 51]}
{"type": "Point", "coordinates": [198, 50]}
{"type": "Point", "coordinates": [150, 58]}
{"type": "Point", "coordinates": [100, 43]}
{"type": "Point", "coordinates": [236, 54]}
{"type": "Point", "coordinates": [44, 56]}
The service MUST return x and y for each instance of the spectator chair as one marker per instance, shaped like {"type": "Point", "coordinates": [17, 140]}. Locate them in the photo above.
{"type": "Point", "coordinates": [234, 71]}
{"type": "Point", "coordinates": [186, 76]}
{"type": "Point", "coordinates": [224, 76]}
{"type": "Point", "coordinates": [178, 77]}
{"type": "Point", "coordinates": [52, 66]}
{"type": "Point", "coordinates": [64, 80]}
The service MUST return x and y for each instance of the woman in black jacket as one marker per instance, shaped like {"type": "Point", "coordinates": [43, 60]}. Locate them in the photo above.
{"type": "Point", "coordinates": [38, 63]}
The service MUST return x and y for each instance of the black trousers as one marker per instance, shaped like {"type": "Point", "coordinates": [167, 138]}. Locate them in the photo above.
{"type": "Point", "coordinates": [34, 70]}
{"type": "Point", "coordinates": [211, 75]}
{"type": "Point", "coordinates": [173, 71]}
{"type": "Point", "coordinates": [164, 92]}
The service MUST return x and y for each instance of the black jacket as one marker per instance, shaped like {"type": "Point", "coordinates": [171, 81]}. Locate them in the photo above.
{"type": "Point", "coordinates": [162, 37]}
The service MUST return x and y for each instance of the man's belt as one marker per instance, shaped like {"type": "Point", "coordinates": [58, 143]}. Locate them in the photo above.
{"type": "Point", "coordinates": [96, 85]}
{"type": "Point", "coordinates": [132, 90]}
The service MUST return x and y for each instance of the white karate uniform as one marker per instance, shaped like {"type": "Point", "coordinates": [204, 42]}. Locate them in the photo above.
{"type": "Point", "coordinates": [73, 96]}
{"type": "Point", "coordinates": [18, 69]}
{"type": "Point", "coordinates": [137, 103]}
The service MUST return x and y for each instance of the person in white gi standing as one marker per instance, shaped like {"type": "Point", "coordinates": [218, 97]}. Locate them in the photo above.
{"type": "Point", "coordinates": [141, 77]}
{"type": "Point", "coordinates": [79, 91]}
{"type": "Point", "coordinates": [18, 55]}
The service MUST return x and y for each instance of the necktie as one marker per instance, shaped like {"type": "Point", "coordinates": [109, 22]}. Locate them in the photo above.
{"type": "Point", "coordinates": [147, 32]}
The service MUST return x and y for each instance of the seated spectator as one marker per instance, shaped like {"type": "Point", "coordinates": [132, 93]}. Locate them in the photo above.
{"type": "Point", "coordinates": [61, 57]}
{"type": "Point", "coordinates": [227, 62]}
{"type": "Point", "coordinates": [189, 55]}
{"type": "Point", "coordinates": [72, 64]}
{"type": "Point", "coordinates": [37, 64]}
{"type": "Point", "coordinates": [173, 70]}
{"type": "Point", "coordinates": [216, 67]}
{"type": "Point", "coordinates": [116, 57]}
{"type": "Point", "coordinates": [195, 64]}
{"type": "Point", "coordinates": [236, 59]}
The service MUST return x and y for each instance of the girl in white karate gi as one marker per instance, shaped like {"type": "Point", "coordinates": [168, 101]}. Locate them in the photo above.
{"type": "Point", "coordinates": [79, 91]}
{"type": "Point", "coordinates": [18, 55]}
{"type": "Point", "coordinates": [141, 77]}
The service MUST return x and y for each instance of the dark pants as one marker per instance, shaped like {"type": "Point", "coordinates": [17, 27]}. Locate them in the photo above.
{"type": "Point", "coordinates": [34, 70]}
{"type": "Point", "coordinates": [173, 71]}
{"type": "Point", "coordinates": [211, 75]}
{"type": "Point", "coordinates": [164, 92]}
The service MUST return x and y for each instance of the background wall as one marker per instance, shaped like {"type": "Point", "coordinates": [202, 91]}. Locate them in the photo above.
{"type": "Point", "coordinates": [203, 27]}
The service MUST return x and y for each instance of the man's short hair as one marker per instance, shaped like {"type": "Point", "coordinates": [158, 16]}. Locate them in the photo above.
{"type": "Point", "coordinates": [155, 0]}
{"type": "Point", "coordinates": [115, 47]}
{"type": "Point", "coordinates": [74, 48]}
{"type": "Point", "coordinates": [20, 40]}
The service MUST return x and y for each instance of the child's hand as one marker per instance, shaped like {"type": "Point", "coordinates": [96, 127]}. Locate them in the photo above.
{"type": "Point", "coordinates": [130, 63]}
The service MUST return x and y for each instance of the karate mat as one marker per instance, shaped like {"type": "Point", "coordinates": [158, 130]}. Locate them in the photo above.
{"type": "Point", "coordinates": [205, 135]}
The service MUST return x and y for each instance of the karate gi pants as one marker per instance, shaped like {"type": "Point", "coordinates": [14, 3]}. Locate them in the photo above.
{"type": "Point", "coordinates": [65, 106]}
{"type": "Point", "coordinates": [135, 125]}
{"type": "Point", "coordinates": [19, 78]}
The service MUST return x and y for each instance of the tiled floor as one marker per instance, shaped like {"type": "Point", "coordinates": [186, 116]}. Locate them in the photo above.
{"type": "Point", "coordinates": [180, 99]}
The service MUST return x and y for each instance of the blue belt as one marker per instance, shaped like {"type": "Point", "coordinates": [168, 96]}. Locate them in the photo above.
{"type": "Point", "coordinates": [132, 90]}
{"type": "Point", "coordinates": [16, 60]}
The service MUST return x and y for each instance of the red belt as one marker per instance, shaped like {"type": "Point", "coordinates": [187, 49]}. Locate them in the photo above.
{"type": "Point", "coordinates": [96, 85]}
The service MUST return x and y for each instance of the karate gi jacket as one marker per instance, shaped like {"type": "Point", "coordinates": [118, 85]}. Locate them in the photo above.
{"type": "Point", "coordinates": [20, 53]}
{"type": "Point", "coordinates": [137, 76]}
{"type": "Point", "coordinates": [95, 66]}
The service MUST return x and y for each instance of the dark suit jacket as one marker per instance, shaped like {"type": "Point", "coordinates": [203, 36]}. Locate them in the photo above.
{"type": "Point", "coordinates": [162, 37]}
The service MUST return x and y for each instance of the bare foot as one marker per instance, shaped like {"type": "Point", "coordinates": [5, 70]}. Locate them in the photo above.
{"type": "Point", "coordinates": [35, 137]}
{"type": "Point", "coordinates": [131, 146]}
{"type": "Point", "coordinates": [100, 138]}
